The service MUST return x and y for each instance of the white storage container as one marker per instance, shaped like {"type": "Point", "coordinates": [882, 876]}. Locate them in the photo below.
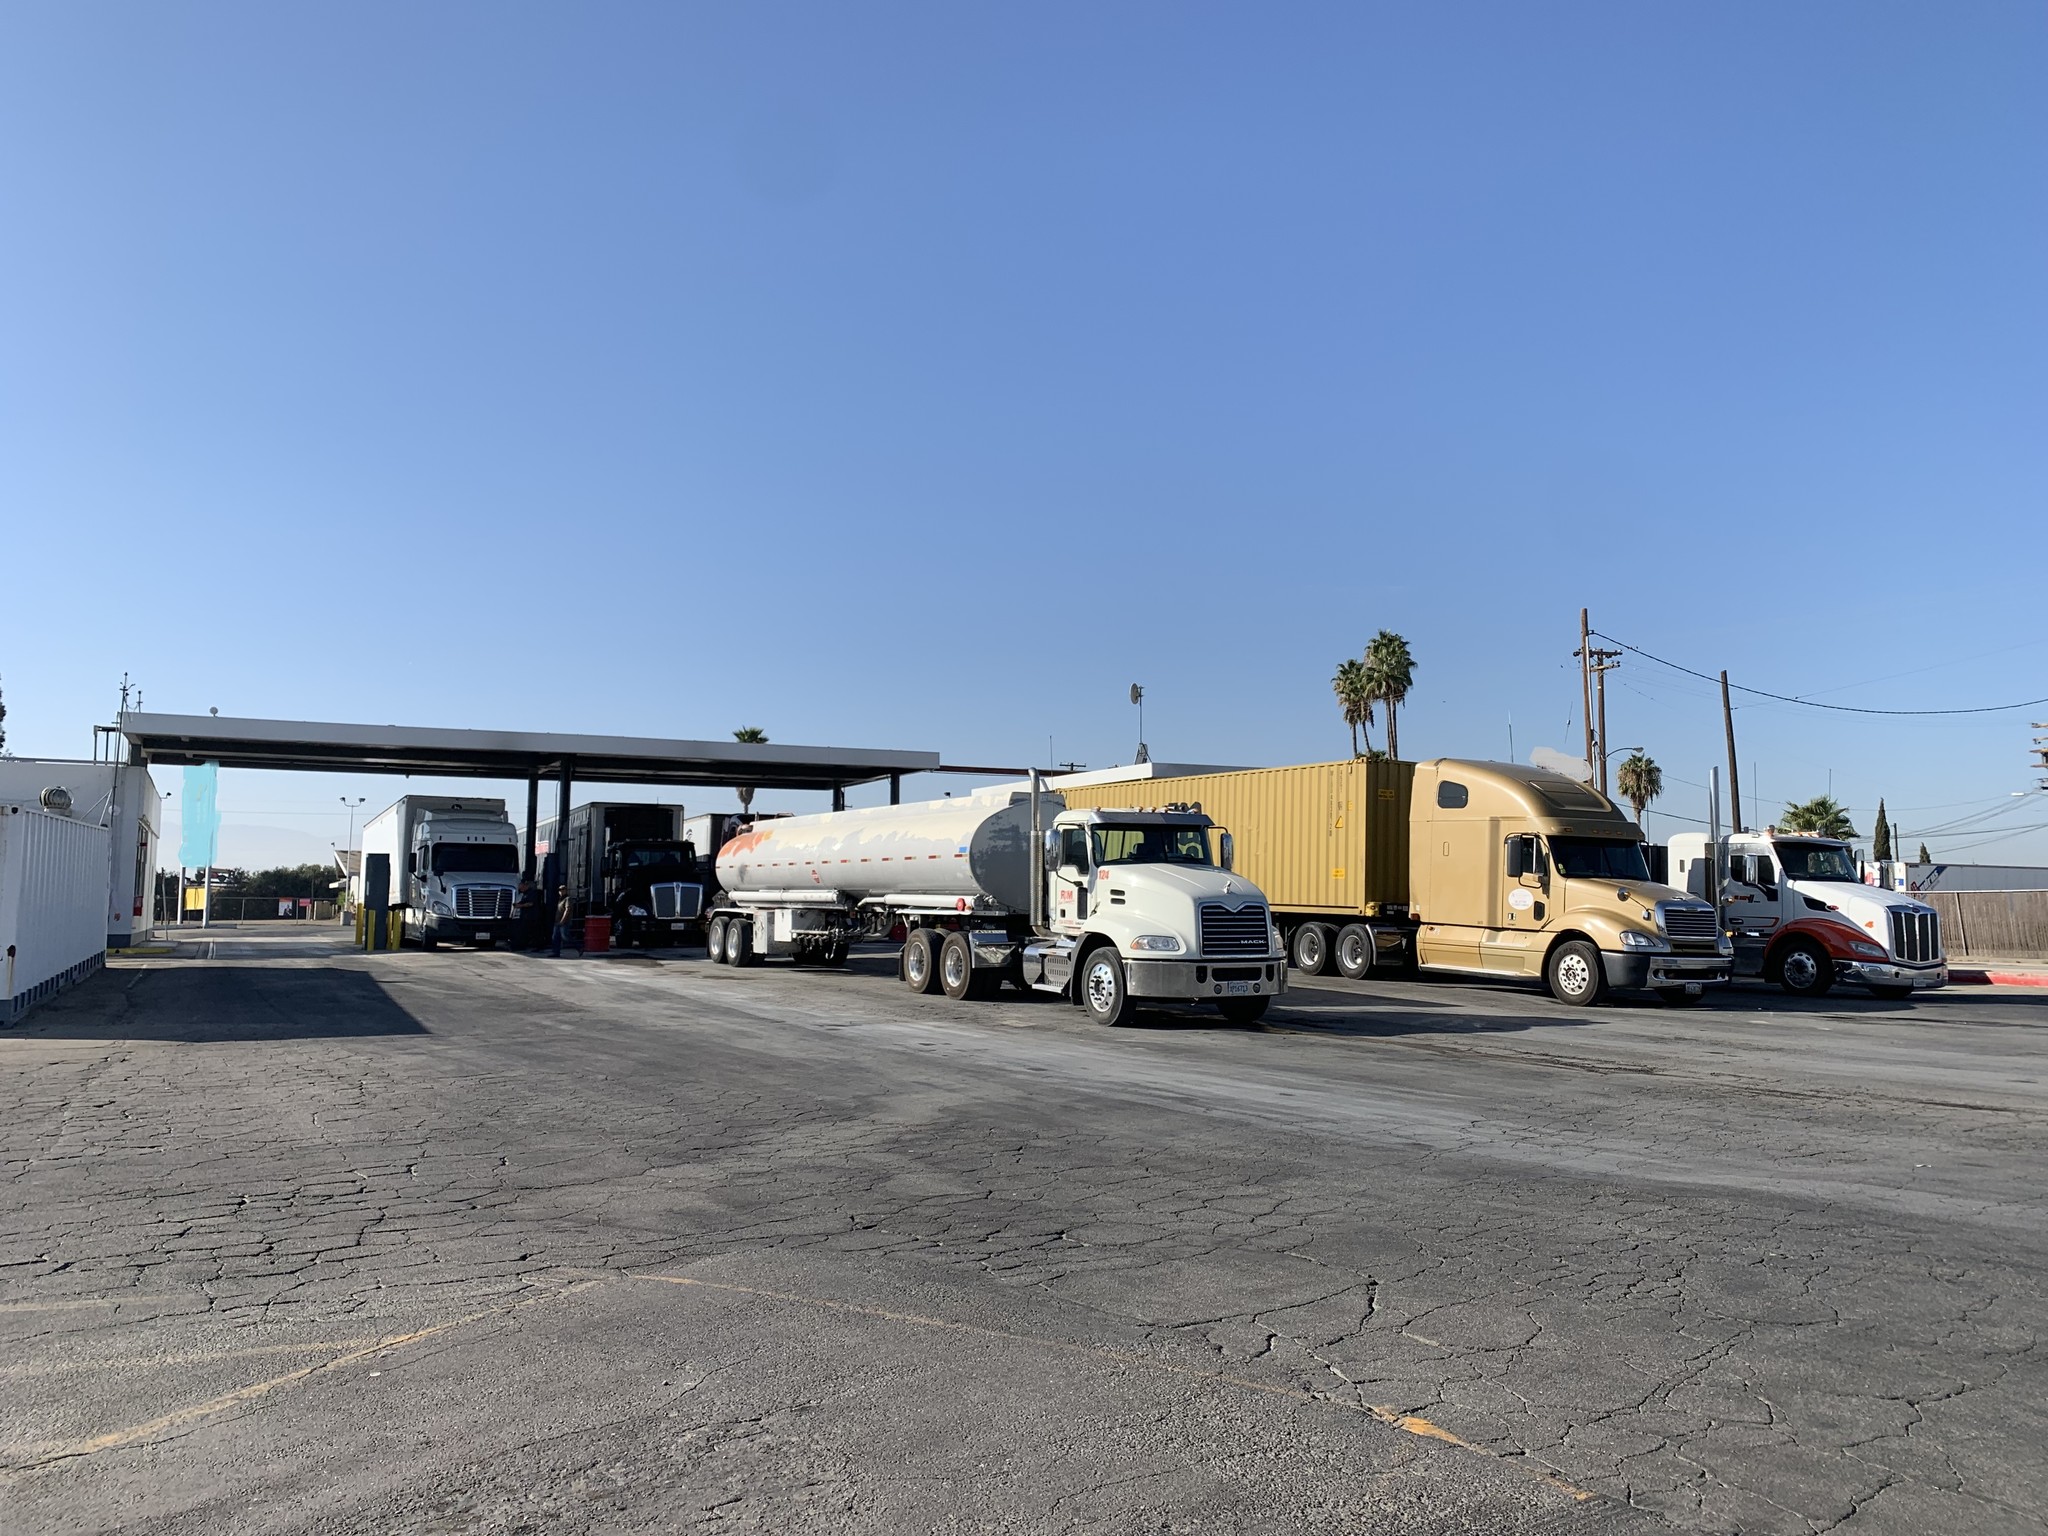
{"type": "Point", "coordinates": [53, 904]}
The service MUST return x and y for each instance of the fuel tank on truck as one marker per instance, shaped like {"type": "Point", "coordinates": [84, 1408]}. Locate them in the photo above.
{"type": "Point", "coordinates": [971, 846]}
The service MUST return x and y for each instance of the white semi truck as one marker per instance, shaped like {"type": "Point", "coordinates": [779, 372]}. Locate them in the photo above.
{"type": "Point", "coordinates": [1799, 914]}
{"type": "Point", "coordinates": [1110, 908]}
{"type": "Point", "coordinates": [454, 867]}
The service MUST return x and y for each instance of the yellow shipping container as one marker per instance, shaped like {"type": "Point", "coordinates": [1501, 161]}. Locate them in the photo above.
{"type": "Point", "coordinates": [1323, 838]}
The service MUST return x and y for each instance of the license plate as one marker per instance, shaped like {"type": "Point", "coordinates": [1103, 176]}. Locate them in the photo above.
{"type": "Point", "coordinates": [1237, 989]}
{"type": "Point", "coordinates": [483, 938]}
{"type": "Point", "coordinates": [679, 927]}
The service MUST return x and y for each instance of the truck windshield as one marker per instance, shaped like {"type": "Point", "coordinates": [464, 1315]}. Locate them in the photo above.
{"type": "Point", "coordinates": [1599, 858]}
{"type": "Point", "coordinates": [475, 859]}
{"type": "Point", "coordinates": [650, 858]}
{"type": "Point", "coordinates": [1816, 861]}
{"type": "Point", "coordinates": [1151, 845]}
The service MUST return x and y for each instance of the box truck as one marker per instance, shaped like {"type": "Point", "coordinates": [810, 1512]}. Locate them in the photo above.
{"type": "Point", "coordinates": [1800, 914]}
{"type": "Point", "coordinates": [630, 861]}
{"type": "Point", "coordinates": [454, 867]}
{"type": "Point", "coordinates": [1109, 908]}
{"type": "Point", "coordinates": [1488, 869]}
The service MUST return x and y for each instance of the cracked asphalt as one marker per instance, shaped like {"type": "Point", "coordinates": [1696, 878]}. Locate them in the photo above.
{"type": "Point", "coordinates": [300, 1240]}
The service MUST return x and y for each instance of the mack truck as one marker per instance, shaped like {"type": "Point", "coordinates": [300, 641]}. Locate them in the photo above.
{"type": "Point", "coordinates": [1800, 915]}
{"type": "Point", "coordinates": [631, 861]}
{"type": "Point", "coordinates": [1475, 868]}
{"type": "Point", "coordinates": [1109, 908]}
{"type": "Point", "coordinates": [456, 863]}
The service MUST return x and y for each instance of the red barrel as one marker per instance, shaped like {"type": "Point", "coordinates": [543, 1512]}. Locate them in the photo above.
{"type": "Point", "coordinates": [597, 935]}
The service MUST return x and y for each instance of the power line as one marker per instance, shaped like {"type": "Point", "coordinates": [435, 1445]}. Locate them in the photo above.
{"type": "Point", "coordinates": [1786, 698]}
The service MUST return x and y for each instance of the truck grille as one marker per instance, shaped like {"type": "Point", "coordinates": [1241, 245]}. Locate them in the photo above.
{"type": "Point", "coordinates": [677, 902]}
{"type": "Point", "coordinates": [1246, 931]}
{"type": "Point", "coordinates": [1689, 922]}
{"type": "Point", "coordinates": [483, 901]}
{"type": "Point", "coordinates": [1916, 935]}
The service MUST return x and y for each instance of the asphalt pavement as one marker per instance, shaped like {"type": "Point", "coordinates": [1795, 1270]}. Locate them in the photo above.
{"type": "Point", "coordinates": [303, 1240]}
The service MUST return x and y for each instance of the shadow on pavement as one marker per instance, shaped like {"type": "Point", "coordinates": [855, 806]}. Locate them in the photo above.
{"type": "Point", "coordinates": [216, 1004]}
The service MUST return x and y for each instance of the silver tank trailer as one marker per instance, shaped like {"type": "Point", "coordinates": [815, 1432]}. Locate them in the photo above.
{"type": "Point", "coordinates": [971, 846]}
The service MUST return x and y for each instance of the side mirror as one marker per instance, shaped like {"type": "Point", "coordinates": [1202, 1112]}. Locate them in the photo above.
{"type": "Point", "coordinates": [1226, 850]}
{"type": "Point", "coordinates": [1052, 851]}
{"type": "Point", "coordinates": [1515, 869]}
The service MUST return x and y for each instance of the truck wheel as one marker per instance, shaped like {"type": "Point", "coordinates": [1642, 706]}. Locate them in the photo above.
{"type": "Point", "coordinates": [714, 941]}
{"type": "Point", "coordinates": [1104, 992]}
{"type": "Point", "coordinates": [956, 967]}
{"type": "Point", "coordinates": [835, 955]}
{"type": "Point", "coordinates": [1805, 970]}
{"type": "Point", "coordinates": [921, 961]}
{"type": "Point", "coordinates": [1354, 951]}
{"type": "Point", "coordinates": [1575, 974]}
{"type": "Point", "coordinates": [739, 942]}
{"type": "Point", "coordinates": [427, 939]}
{"type": "Point", "coordinates": [1244, 1010]}
{"type": "Point", "coordinates": [1312, 949]}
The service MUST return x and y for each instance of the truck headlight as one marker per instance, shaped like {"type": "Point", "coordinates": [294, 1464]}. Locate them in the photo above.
{"type": "Point", "coordinates": [441, 908]}
{"type": "Point", "coordinates": [1724, 946]}
{"type": "Point", "coordinates": [1632, 938]}
{"type": "Point", "coordinates": [1157, 943]}
{"type": "Point", "coordinates": [1865, 947]}
{"type": "Point", "coordinates": [636, 911]}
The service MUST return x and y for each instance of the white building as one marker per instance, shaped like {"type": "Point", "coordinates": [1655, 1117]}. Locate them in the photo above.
{"type": "Point", "coordinates": [119, 797]}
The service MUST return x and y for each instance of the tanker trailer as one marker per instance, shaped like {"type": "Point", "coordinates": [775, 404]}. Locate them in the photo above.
{"type": "Point", "coordinates": [1108, 908]}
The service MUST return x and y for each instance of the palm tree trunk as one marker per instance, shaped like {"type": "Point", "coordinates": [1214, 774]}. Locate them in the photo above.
{"type": "Point", "coordinates": [1354, 738]}
{"type": "Point", "coordinates": [1393, 732]}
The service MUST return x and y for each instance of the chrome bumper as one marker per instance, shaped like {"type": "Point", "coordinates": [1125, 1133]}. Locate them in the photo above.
{"type": "Point", "coordinates": [1202, 981]}
{"type": "Point", "coordinates": [1880, 974]}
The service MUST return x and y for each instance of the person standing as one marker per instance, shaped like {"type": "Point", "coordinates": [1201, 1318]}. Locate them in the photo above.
{"type": "Point", "coordinates": [526, 915]}
{"type": "Point", "coordinates": [565, 915]}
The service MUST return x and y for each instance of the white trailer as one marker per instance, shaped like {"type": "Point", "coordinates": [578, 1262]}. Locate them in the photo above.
{"type": "Point", "coordinates": [1106, 907]}
{"type": "Point", "coordinates": [53, 902]}
{"type": "Point", "coordinates": [454, 867]}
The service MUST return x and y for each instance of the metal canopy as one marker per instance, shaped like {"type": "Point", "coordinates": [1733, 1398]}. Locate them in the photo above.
{"type": "Point", "coordinates": [403, 749]}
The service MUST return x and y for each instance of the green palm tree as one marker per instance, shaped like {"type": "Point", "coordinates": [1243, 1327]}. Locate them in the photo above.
{"type": "Point", "coordinates": [1354, 698]}
{"type": "Point", "coordinates": [1822, 816]}
{"type": "Point", "coordinates": [1390, 673]}
{"type": "Point", "coordinates": [1640, 781]}
{"type": "Point", "coordinates": [754, 735]}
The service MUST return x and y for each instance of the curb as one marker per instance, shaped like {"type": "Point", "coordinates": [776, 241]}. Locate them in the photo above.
{"type": "Point", "coordinates": [1965, 977]}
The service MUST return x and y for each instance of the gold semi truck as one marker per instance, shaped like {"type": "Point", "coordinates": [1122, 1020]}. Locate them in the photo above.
{"type": "Point", "coordinates": [1485, 869]}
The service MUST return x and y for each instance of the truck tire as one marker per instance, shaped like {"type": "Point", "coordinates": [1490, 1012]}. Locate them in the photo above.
{"type": "Point", "coordinates": [920, 962]}
{"type": "Point", "coordinates": [1805, 970]}
{"type": "Point", "coordinates": [739, 943]}
{"type": "Point", "coordinates": [1104, 992]}
{"type": "Point", "coordinates": [956, 967]}
{"type": "Point", "coordinates": [714, 941]}
{"type": "Point", "coordinates": [834, 957]}
{"type": "Point", "coordinates": [427, 939]}
{"type": "Point", "coordinates": [1353, 951]}
{"type": "Point", "coordinates": [1244, 1010]}
{"type": "Point", "coordinates": [1575, 974]}
{"type": "Point", "coordinates": [1312, 948]}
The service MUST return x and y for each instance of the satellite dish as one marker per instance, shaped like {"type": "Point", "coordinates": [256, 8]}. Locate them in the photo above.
{"type": "Point", "coordinates": [1137, 693]}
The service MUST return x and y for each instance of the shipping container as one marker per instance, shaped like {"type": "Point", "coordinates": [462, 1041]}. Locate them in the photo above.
{"type": "Point", "coordinates": [120, 796]}
{"type": "Point", "coordinates": [53, 904]}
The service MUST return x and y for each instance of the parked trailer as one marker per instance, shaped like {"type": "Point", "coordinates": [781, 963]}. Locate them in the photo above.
{"type": "Point", "coordinates": [1106, 907]}
{"type": "Point", "coordinates": [1491, 869]}
{"type": "Point", "coordinates": [53, 904]}
{"type": "Point", "coordinates": [454, 867]}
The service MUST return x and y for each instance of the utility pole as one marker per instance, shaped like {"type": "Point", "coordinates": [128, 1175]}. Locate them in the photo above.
{"type": "Point", "coordinates": [1734, 782]}
{"type": "Point", "coordinates": [1585, 655]}
{"type": "Point", "coordinates": [2041, 750]}
{"type": "Point", "coordinates": [1603, 662]}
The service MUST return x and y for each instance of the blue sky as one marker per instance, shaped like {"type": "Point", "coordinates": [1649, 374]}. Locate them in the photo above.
{"type": "Point", "coordinates": [923, 376]}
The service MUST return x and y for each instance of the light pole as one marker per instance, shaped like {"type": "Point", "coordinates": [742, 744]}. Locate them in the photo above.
{"type": "Point", "coordinates": [346, 874]}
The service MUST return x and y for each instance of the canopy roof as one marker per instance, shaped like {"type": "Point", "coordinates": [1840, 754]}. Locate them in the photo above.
{"type": "Point", "coordinates": [322, 746]}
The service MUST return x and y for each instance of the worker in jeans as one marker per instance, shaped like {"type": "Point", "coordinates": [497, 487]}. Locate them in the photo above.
{"type": "Point", "coordinates": [564, 918]}
{"type": "Point", "coordinates": [527, 915]}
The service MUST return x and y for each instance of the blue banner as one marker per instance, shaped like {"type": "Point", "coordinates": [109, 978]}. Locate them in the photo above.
{"type": "Point", "coordinates": [199, 817]}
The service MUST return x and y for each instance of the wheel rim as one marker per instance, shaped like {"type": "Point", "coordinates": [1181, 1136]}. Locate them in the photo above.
{"type": "Point", "coordinates": [1351, 953]}
{"type": "Point", "coordinates": [1800, 969]}
{"type": "Point", "coordinates": [1311, 949]}
{"type": "Point", "coordinates": [1101, 986]}
{"type": "Point", "coordinates": [1574, 974]}
{"type": "Point", "coordinates": [914, 964]}
{"type": "Point", "coordinates": [955, 965]}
